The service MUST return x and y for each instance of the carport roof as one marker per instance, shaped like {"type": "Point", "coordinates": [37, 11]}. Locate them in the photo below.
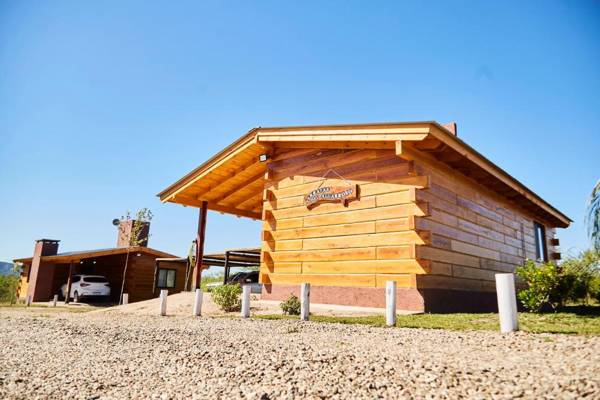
{"type": "Point", "coordinates": [75, 256]}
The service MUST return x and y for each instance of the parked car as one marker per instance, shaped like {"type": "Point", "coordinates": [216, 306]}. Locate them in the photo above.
{"type": "Point", "coordinates": [87, 286]}
{"type": "Point", "coordinates": [244, 277]}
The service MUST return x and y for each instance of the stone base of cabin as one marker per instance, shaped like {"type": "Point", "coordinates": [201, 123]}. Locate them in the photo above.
{"type": "Point", "coordinates": [409, 299]}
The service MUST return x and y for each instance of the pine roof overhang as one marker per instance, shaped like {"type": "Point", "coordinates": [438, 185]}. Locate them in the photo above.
{"type": "Point", "coordinates": [233, 180]}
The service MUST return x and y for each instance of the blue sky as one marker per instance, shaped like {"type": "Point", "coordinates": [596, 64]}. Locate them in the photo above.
{"type": "Point", "coordinates": [104, 104]}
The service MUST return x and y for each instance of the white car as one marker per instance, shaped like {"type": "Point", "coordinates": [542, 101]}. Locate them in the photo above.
{"type": "Point", "coordinates": [87, 286]}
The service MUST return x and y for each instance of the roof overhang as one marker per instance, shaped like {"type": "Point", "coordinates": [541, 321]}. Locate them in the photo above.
{"type": "Point", "coordinates": [233, 180]}
{"type": "Point", "coordinates": [84, 255]}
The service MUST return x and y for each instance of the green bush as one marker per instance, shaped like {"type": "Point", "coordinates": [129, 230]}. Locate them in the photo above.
{"type": "Point", "coordinates": [576, 280]}
{"type": "Point", "coordinates": [9, 285]}
{"type": "Point", "coordinates": [578, 275]}
{"type": "Point", "coordinates": [227, 297]}
{"type": "Point", "coordinates": [542, 285]}
{"type": "Point", "coordinates": [291, 306]}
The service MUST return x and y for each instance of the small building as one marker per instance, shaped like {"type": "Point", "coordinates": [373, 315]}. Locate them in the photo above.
{"type": "Point", "coordinates": [348, 207]}
{"type": "Point", "coordinates": [47, 270]}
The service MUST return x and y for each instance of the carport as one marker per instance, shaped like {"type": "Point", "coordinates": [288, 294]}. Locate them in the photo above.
{"type": "Point", "coordinates": [42, 276]}
{"type": "Point", "coordinates": [233, 258]}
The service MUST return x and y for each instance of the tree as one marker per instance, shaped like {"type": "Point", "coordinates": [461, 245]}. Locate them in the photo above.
{"type": "Point", "coordinates": [142, 217]}
{"type": "Point", "coordinates": [593, 217]}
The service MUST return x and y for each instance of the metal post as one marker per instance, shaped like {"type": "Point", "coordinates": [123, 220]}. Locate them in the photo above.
{"type": "Point", "coordinates": [197, 310]}
{"type": "Point", "coordinates": [28, 300]}
{"type": "Point", "coordinates": [54, 300]}
{"type": "Point", "coordinates": [69, 281]}
{"type": "Point", "coordinates": [507, 303]}
{"type": "Point", "coordinates": [390, 303]}
{"type": "Point", "coordinates": [226, 269]}
{"type": "Point", "coordinates": [245, 301]}
{"type": "Point", "coordinates": [163, 301]}
{"type": "Point", "coordinates": [304, 301]}
{"type": "Point", "coordinates": [200, 245]}
{"type": "Point", "coordinates": [125, 298]}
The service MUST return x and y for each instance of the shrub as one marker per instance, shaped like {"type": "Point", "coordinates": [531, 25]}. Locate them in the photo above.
{"type": "Point", "coordinates": [291, 306]}
{"type": "Point", "coordinates": [576, 280]}
{"type": "Point", "coordinates": [8, 288]}
{"type": "Point", "coordinates": [227, 297]}
{"type": "Point", "coordinates": [542, 284]}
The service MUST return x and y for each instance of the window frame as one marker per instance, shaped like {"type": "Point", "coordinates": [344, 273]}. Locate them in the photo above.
{"type": "Point", "coordinates": [165, 286]}
{"type": "Point", "coordinates": [541, 247]}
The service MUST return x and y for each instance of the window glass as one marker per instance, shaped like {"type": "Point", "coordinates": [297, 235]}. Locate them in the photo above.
{"type": "Point", "coordinates": [76, 278]}
{"type": "Point", "coordinates": [95, 279]}
{"type": "Point", "coordinates": [171, 278]}
{"type": "Point", "coordinates": [166, 278]}
{"type": "Point", "coordinates": [540, 242]}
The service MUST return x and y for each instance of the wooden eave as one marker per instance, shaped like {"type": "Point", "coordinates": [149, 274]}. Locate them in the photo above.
{"type": "Point", "coordinates": [233, 180]}
{"type": "Point", "coordinates": [78, 256]}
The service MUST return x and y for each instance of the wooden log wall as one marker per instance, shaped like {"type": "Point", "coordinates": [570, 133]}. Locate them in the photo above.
{"type": "Point", "coordinates": [475, 233]}
{"type": "Point", "coordinates": [370, 241]}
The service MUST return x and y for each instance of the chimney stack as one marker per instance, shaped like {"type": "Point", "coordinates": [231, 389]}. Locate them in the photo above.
{"type": "Point", "coordinates": [40, 279]}
{"type": "Point", "coordinates": [451, 126]}
{"type": "Point", "coordinates": [125, 232]}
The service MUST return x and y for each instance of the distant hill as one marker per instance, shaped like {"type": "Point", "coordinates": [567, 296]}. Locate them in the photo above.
{"type": "Point", "coordinates": [6, 268]}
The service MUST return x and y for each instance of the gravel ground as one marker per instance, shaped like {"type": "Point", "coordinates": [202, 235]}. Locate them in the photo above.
{"type": "Point", "coordinates": [69, 355]}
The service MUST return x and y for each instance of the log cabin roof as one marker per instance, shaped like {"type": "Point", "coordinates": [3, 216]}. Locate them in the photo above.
{"type": "Point", "coordinates": [232, 181]}
{"type": "Point", "coordinates": [76, 256]}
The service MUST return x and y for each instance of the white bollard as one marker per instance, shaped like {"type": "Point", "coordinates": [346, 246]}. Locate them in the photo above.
{"type": "Point", "coordinates": [390, 303]}
{"type": "Point", "coordinates": [507, 302]}
{"type": "Point", "coordinates": [304, 301]}
{"type": "Point", "coordinates": [197, 309]}
{"type": "Point", "coordinates": [125, 298]}
{"type": "Point", "coordinates": [245, 301]}
{"type": "Point", "coordinates": [54, 300]}
{"type": "Point", "coordinates": [163, 301]}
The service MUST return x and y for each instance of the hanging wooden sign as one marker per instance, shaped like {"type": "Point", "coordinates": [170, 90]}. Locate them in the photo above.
{"type": "Point", "coordinates": [331, 194]}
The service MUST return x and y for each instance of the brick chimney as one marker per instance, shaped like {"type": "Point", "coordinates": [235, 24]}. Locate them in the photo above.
{"type": "Point", "coordinates": [40, 276]}
{"type": "Point", "coordinates": [451, 126]}
{"type": "Point", "coordinates": [124, 238]}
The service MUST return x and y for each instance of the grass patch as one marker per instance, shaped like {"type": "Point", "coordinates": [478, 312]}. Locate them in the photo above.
{"type": "Point", "coordinates": [571, 320]}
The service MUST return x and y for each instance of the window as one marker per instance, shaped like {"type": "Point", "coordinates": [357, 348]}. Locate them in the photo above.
{"type": "Point", "coordinates": [166, 278]}
{"type": "Point", "coordinates": [540, 242]}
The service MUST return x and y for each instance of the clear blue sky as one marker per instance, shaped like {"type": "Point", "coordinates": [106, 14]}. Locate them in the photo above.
{"type": "Point", "coordinates": [104, 104]}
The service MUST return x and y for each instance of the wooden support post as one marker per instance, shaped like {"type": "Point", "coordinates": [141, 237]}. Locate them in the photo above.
{"type": "Point", "coordinates": [69, 281]}
{"type": "Point", "coordinates": [200, 245]}
{"type": "Point", "coordinates": [390, 303]}
{"type": "Point", "coordinates": [54, 300]}
{"type": "Point", "coordinates": [125, 298]}
{"type": "Point", "coordinates": [197, 310]}
{"type": "Point", "coordinates": [163, 301]}
{"type": "Point", "coordinates": [507, 303]}
{"type": "Point", "coordinates": [304, 301]}
{"type": "Point", "coordinates": [245, 313]}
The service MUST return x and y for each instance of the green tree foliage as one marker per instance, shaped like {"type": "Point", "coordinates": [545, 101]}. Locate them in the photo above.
{"type": "Point", "coordinates": [593, 216]}
{"type": "Point", "coordinates": [9, 285]}
{"type": "Point", "coordinates": [291, 306]}
{"type": "Point", "coordinates": [227, 297]}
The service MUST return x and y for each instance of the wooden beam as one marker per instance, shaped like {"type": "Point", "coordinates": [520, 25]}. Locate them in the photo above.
{"type": "Point", "coordinates": [69, 283]}
{"type": "Point", "coordinates": [200, 237]}
{"type": "Point", "coordinates": [247, 182]}
{"type": "Point", "coordinates": [225, 180]}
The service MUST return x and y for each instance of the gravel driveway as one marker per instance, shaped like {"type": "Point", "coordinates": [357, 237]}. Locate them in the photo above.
{"type": "Point", "coordinates": [121, 356]}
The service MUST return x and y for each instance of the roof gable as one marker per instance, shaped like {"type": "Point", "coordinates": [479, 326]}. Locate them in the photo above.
{"type": "Point", "coordinates": [233, 180]}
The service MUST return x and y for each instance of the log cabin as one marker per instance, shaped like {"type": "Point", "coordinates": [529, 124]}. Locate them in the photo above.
{"type": "Point", "coordinates": [348, 207]}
